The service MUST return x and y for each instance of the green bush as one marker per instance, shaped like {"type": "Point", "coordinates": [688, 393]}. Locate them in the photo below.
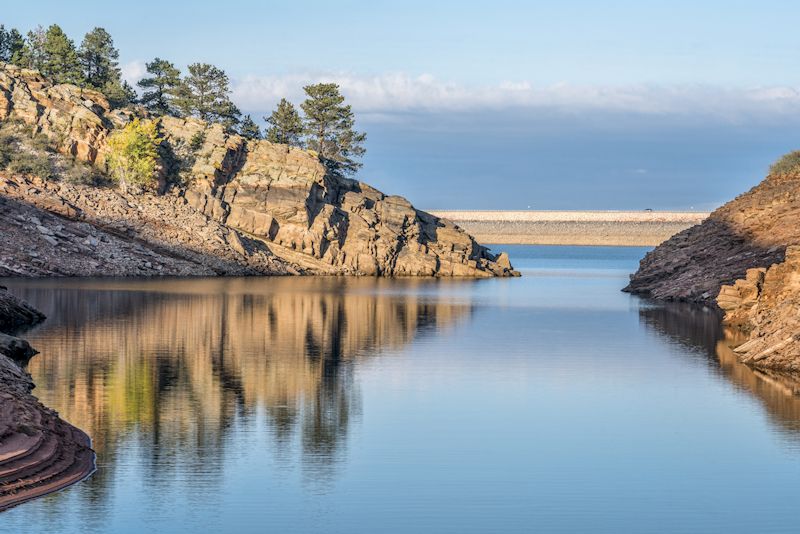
{"type": "Point", "coordinates": [787, 164]}
{"type": "Point", "coordinates": [7, 148]}
{"type": "Point", "coordinates": [197, 141]}
{"type": "Point", "coordinates": [31, 164]}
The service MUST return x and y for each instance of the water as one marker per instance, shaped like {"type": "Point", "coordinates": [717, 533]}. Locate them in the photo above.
{"type": "Point", "coordinates": [549, 403]}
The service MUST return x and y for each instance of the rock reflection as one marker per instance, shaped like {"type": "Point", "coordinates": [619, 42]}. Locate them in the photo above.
{"type": "Point", "coordinates": [699, 329]}
{"type": "Point", "coordinates": [181, 366]}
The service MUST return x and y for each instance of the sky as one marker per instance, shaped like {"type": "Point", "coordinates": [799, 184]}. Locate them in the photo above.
{"type": "Point", "coordinates": [503, 105]}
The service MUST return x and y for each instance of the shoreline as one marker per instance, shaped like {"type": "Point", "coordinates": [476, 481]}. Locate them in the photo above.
{"type": "Point", "coordinates": [40, 453]}
{"type": "Point", "coordinates": [559, 227]}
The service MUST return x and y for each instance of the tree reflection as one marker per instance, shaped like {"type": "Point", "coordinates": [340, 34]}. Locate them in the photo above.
{"type": "Point", "coordinates": [180, 366]}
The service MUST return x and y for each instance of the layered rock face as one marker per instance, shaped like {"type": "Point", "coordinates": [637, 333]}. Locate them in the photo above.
{"type": "Point", "coordinates": [736, 259]}
{"type": "Point", "coordinates": [767, 305]}
{"type": "Point", "coordinates": [256, 207]}
{"type": "Point", "coordinates": [751, 231]}
{"type": "Point", "coordinates": [39, 452]}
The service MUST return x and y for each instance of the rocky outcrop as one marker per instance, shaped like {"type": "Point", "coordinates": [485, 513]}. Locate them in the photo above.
{"type": "Point", "coordinates": [766, 304]}
{"type": "Point", "coordinates": [736, 259]}
{"type": "Point", "coordinates": [255, 207]}
{"type": "Point", "coordinates": [751, 231]}
{"type": "Point", "coordinates": [39, 452]}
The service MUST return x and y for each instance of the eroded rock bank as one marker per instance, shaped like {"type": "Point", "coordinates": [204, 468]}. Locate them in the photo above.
{"type": "Point", "coordinates": [39, 452]}
{"type": "Point", "coordinates": [226, 205]}
{"type": "Point", "coordinates": [744, 258]}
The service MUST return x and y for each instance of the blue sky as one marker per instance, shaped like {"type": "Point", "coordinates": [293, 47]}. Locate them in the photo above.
{"type": "Point", "coordinates": [569, 104]}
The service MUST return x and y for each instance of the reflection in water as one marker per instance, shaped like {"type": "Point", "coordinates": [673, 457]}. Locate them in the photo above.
{"type": "Point", "coordinates": [175, 365]}
{"type": "Point", "coordinates": [699, 329]}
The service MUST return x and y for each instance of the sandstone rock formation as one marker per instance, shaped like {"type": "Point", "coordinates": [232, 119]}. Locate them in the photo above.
{"type": "Point", "coordinates": [39, 452]}
{"type": "Point", "coordinates": [767, 305]}
{"type": "Point", "coordinates": [235, 206]}
{"type": "Point", "coordinates": [751, 231]}
{"type": "Point", "coordinates": [736, 258]}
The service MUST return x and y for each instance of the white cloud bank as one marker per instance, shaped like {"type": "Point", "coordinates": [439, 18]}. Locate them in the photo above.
{"type": "Point", "coordinates": [387, 94]}
{"type": "Point", "coordinates": [390, 93]}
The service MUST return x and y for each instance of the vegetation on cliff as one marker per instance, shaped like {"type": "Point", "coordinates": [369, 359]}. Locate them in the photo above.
{"type": "Point", "coordinates": [327, 127]}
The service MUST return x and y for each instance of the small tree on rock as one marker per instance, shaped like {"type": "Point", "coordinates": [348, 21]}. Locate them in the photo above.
{"type": "Point", "coordinates": [60, 57]}
{"type": "Point", "coordinates": [161, 87]}
{"type": "Point", "coordinates": [249, 129]}
{"type": "Point", "coordinates": [32, 55]}
{"type": "Point", "coordinates": [133, 157]}
{"type": "Point", "coordinates": [329, 126]}
{"type": "Point", "coordinates": [285, 125]}
{"type": "Point", "coordinates": [205, 93]}
{"type": "Point", "coordinates": [11, 45]}
{"type": "Point", "coordinates": [99, 59]}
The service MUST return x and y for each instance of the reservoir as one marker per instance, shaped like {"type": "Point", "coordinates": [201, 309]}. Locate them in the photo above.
{"type": "Point", "coordinates": [547, 403]}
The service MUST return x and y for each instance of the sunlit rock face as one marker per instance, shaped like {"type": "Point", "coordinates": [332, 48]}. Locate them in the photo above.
{"type": "Point", "coordinates": [766, 304]}
{"type": "Point", "coordinates": [272, 208]}
{"type": "Point", "coordinates": [182, 361]}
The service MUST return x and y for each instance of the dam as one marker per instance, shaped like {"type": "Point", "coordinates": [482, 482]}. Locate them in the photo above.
{"type": "Point", "coordinates": [609, 228]}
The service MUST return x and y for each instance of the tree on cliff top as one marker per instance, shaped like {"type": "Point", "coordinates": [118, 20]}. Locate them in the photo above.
{"type": "Point", "coordinates": [60, 62]}
{"type": "Point", "coordinates": [249, 129]}
{"type": "Point", "coordinates": [286, 127]}
{"type": "Point", "coordinates": [11, 45]}
{"type": "Point", "coordinates": [205, 93]}
{"type": "Point", "coordinates": [133, 157]}
{"type": "Point", "coordinates": [161, 87]}
{"type": "Point", "coordinates": [32, 55]}
{"type": "Point", "coordinates": [330, 129]}
{"type": "Point", "coordinates": [99, 59]}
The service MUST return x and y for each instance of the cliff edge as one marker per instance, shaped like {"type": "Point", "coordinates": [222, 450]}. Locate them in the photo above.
{"type": "Point", "coordinates": [225, 205]}
{"type": "Point", "coordinates": [744, 258]}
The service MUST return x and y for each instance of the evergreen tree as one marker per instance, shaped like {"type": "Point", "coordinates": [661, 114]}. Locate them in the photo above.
{"type": "Point", "coordinates": [32, 55]}
{"type": "Point", "coordinates": [99, 60]}
{"type": "Point", "coordinates": [285, 125]}
{"type": "Point", "coordinates": [15, 46]}
{"type": "Point", "coordinates": [249, 129]}
{"type": "Point", "coordinates": [329, 126]}
{"type": "Point", "coordinates": [60, 57]}
{"type": "Point", "coordinates": [161, 87]}
{"type": "Point", "coordinates": [204, 93]}
{"type": "Point", "coordinates": [11, 44]}
{"type": "Point", "coordinates": [119, 94]}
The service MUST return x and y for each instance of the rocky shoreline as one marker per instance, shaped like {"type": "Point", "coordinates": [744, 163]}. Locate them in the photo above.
{"type": "Point", "coordinates": [743, 258]}
{"type": "Point", "coordinates": [225, 205]}
{"type": "Point", "coordinates": [39, 452]}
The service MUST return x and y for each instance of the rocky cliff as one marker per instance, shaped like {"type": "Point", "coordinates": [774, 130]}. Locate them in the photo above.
{"type": "Point", "coordinates": [766, 304]}
{"type": "Point", "coordinates": [751, 231]}
{"type": "Point", "coordinates": [39, 452]}
{"type": "Point", "coordinates": [743, 257]}
{"type": "Point", "coordinates": [229, 205]}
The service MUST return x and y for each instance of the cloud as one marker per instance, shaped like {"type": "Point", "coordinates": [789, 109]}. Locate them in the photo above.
{"type": "Point", "coordinates": [386, 94]}
{"type": "Point", "coordinates": [134, 71]}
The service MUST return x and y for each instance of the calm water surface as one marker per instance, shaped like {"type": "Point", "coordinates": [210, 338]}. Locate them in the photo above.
{"type": "Point", "coordinates": [549, 403]}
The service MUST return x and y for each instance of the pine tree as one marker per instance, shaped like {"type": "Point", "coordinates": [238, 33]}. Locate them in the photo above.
{"type": "Point", "coordinates": [99, 60]}
{"type": "Point", "coordinates": [285, 125]}
{"type": "Point", "coordinates": [60, 57]}
{"type": "Point", "coordinates": [204, 93]}
{"type": "Point", "coordinates": [249, 129]}
{"type": "Point", "coordinates": [119, 94]}
{"type": "Point", "coordinates": [33, 55]}
{"type": "Point", "coordinates": [161, 87]}
{"type": "Point", "coordinates": [329, 129]}
{"type": "Point", "coordinates": [15, 44]}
